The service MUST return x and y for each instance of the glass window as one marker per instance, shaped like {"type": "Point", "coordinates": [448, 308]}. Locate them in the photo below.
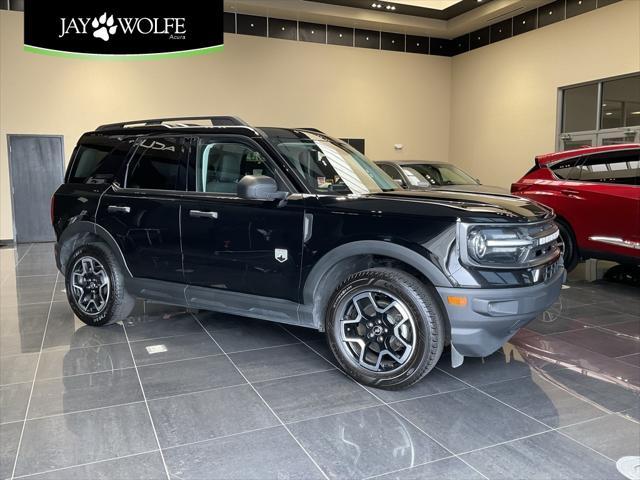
{"type": "Point", "coordinates": [615, 167]}
{"type": "Point", "coordinates": [621, 103]}
{"type": "Point", "coordinates": [579, 108]}
{"type": "Point", "coordinates": [221, 165]}
{"type": "Point", "coordinates": [393, 173]}
{"type": "Point", "coordinates": [566, 169]}
{"type": "Point", "coordinates": [98, 160]}
{"type": "Point", "coordinates": [436, 174]}
{"type": "Point", "coordinates": [328, 166]}
{"type": "Point", "coordinates": [157, 164]}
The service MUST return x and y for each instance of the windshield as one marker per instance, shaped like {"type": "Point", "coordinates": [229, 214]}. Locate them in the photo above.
{"type": "Point", "coordinates": [436, 174]}
{"type": "Point", "coordinates": [328, 166]}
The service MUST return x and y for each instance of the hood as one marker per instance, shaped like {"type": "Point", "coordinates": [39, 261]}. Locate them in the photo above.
{"type": "Point", "coordinates": [464, 188]}
{"type": "Point", "coordinates": [474, 206]}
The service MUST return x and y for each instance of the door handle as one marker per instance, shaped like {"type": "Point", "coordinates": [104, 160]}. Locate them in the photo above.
{"type": "Point", "coordinates": [118, 209]}
{"type": "Point", "coordinates": [567, 191]}
{"type": "Point", "coordinates": [201, 214]}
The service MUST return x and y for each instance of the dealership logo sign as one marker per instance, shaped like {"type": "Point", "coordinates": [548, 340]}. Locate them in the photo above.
{"type": "Point", "coordinates": [104, 27]}
{"type": "Point", "coordinates": [116, 29]}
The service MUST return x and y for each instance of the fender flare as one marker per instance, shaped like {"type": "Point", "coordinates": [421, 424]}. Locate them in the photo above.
{"type": "Point", "coordinates": [370, 247]}
{"type": "Point", "coordinates": [83, 227]}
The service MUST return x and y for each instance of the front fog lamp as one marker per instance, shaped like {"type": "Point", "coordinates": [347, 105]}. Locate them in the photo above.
{"type": "Point", "coordinates": [497, 245]}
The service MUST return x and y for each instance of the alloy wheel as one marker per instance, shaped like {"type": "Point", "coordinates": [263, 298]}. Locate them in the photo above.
{"type": "Point", "coordinates": [377, 331]}
{"type": "Point", "coordinates": [90, 285]}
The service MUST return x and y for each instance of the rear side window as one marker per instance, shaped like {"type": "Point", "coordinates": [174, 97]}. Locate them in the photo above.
{"type": "Point", "coordinates": [158, 164]}
{"type": "Point", "coordinates": [98, 159]}
{"type": "Point", "coordinates": [612, 167]}
{"type": "Point", "coordinates": [566, 169]}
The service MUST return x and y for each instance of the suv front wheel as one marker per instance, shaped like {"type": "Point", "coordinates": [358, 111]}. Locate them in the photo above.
{"type": "Point", "coordinates": [95, 286]}
{"type": "Point", "coordinates": [385, 328]}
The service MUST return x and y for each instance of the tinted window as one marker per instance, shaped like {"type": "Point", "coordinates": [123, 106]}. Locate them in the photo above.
{"type": "Point", "coordinates": [621, 103]}
{"type": "Point", "coordinates": [157, 164]}
{"type": "Point", "coordinates": [615, 167]}
{"type": "Point", "coordinates": [221, 165]}
{"type": "Point", "coordinates": [579, 108]}
{"type": "Point", "coordinates": [392, 172]}
{"type": "Point", "coordinates": [566, 170]}
{"type": "Point", "coordinates": [98, 160]}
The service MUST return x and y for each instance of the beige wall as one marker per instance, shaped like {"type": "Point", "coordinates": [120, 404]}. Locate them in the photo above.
{"type": "Point", "coordinates": [504, 96]}
{"type": "Point", "coordinates": [385, 97]}
{"type": "Point", "coordinates": [490, 110]}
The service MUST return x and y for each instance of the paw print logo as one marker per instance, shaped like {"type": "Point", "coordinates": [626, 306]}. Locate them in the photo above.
{"type": "Point", "coordinates": [104, 27]}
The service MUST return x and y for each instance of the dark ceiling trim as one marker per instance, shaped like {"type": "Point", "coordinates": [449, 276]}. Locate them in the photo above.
{"type": "Point", "coordinates": [555, 11]}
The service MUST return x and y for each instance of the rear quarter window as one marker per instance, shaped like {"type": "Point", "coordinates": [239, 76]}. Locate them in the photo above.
{"type": "Point", "coordinates": [97, 160]}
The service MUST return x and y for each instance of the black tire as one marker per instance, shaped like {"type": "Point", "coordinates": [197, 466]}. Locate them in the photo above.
{"type": "Point", "coordinates": [570, 249]}
{"type": "Point", "coordinates": [421, 305]}
{"type": "Point", "coordinates": [119, 303]}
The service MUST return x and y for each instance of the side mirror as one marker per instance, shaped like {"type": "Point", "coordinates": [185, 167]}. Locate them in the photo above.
{"type": "Point", "coordinates": [259, 187]}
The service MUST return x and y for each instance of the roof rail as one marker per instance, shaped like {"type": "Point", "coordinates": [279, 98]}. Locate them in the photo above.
{"type": "Point", "coordinates": [222, 121]}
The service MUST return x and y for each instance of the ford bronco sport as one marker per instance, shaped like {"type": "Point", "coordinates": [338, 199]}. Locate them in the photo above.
{"type": "Point", "coordinates": [293, 226]}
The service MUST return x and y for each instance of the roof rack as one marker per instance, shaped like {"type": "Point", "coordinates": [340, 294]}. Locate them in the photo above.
{"type": "Point", "coordinates": [217, 121]}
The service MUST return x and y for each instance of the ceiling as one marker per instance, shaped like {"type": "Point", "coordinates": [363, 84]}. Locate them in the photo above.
{"type": "Point", "coordinates": [468, 15]}
{"type": "Point", "coordinates": [438, 9]}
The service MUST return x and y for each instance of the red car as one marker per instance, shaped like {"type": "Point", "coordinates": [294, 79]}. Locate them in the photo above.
{"type": "Point", "coordinates": [595, 192]}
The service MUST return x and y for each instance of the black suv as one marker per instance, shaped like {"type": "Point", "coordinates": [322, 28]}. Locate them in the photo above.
{"type": "Point", "coordinates": [293, 226]}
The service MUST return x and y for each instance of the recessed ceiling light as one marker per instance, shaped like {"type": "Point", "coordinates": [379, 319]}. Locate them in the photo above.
{"type": "Point", "coordinates": [609, 113]}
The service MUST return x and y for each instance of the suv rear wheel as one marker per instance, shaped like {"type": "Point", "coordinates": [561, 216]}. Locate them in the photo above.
{"type": "Point", "coordinates": [385, 328]}
{"type": "Point", "coordinates": [95, 286]}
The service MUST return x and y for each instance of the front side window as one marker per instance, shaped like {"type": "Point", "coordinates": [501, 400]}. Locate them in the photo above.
{"type": "Point", "coordinates": [158, 163]}
{"type": "Point", "coordinates": [221, 165]}
{"type": "Point", "coordinates": [436, 174]}
{"type": "Point", "coordinates": [615, 167]}
{"type": "Point", "coordinates": [328, 166]}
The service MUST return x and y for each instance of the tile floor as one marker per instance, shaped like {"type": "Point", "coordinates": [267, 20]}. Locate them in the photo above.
{"type": "Point", "coordinates": [171, 394]}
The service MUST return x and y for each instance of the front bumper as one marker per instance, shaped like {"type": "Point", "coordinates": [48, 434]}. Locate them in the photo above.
{"type": "Point", "coordinates": [490, 317]}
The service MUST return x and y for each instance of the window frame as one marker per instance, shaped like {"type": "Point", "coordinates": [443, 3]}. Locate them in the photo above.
{"type": "Point", "coordinates": [579, 161]}
{"type": "Point", "coordinates": [188, 139]}
{"type": "Point", "coordinates": [190, 190]}
{"type": "Point", "coordinates": [632, 132]}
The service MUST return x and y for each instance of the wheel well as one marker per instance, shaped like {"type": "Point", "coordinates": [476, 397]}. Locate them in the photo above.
{"type": "Point", "coordinates": [73, 242]}
{"type": "Point", "coordinates": [342, 269]}
{"type": "Point", "coordinates": [560, 219]}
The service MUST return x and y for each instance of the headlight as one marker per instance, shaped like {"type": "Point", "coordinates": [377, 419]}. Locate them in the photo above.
{"type": "Point", "coordinates": [518, 246]}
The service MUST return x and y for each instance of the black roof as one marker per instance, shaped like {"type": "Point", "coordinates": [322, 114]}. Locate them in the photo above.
{"type": "Point", "coordinates": [186, 125]}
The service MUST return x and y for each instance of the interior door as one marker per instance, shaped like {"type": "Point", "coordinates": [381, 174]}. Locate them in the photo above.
{"type": "Point", "coordinates": [617, 138]}
{"type": "Point", "coordinates": [236, 244]}
{"type": "Point", "coordinates": [570, 141]}
{"type": "Point", "coordinates": [144, 216]}
{"type": "Point", "coordinates": [36, 166]}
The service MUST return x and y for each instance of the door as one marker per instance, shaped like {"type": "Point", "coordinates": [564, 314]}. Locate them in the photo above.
{"type": "Point", "coordinates": [616, 138]}
{"type": "Point", "coordinates": [606, 203]}
{"type": "Point", "coordinates": [144, 215]}
{"type": "Point", "coordinates": [570, 141]}
{"type": "Point", "coordinates": [236, 244]}
{"type": "Point", "coordinates": [36, 169]}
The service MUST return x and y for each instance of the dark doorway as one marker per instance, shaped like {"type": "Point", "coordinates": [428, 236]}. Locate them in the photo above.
{"type": "Point", "coordinates": [36, 169]}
